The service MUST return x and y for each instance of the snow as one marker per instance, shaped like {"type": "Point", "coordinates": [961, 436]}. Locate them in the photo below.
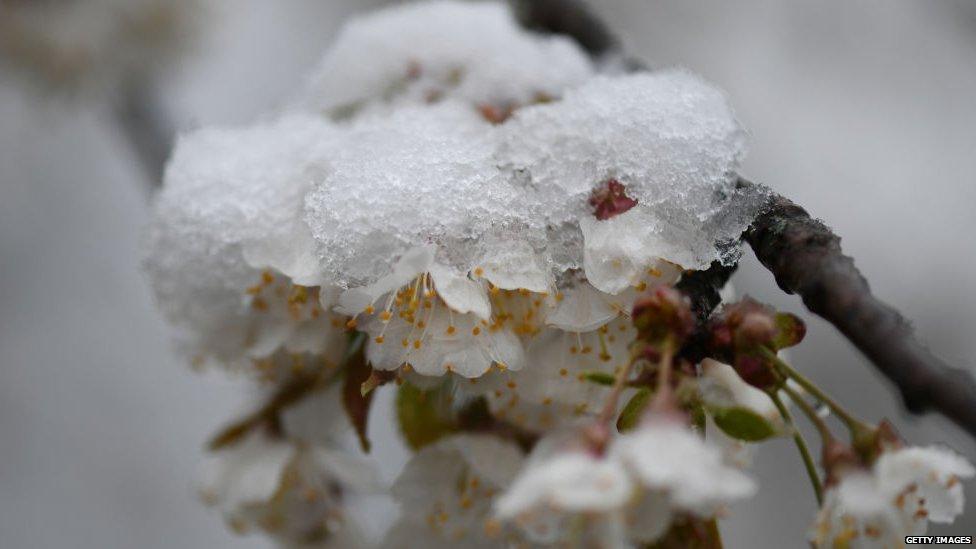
{"type": "Point", "coordinates": [421, 52]}
{"type": "Point", "coordinates": [669, 136]}
{"type": "Point", "coordinates": [339, 203]}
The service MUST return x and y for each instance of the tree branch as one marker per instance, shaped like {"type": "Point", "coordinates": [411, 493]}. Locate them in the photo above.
{"type": "Point", "coordinates": [572, 18]}
{"type": "Point", "coordinates": [702, 288]}
{"type": "Point", "coordinates": [806, 258]}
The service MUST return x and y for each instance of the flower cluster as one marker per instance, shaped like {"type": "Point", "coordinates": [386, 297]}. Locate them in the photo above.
{"type": "Point", "coordinates": [494, 221]}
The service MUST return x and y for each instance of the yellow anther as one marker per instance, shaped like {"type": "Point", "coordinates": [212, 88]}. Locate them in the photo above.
{"type": "Point", "coordinates": [385, 316]}
{"type": "Point", "coordinates": [479, 272]}
{"type": "Point", "coordinates": [416, 344]}
{"type": "Point", "coordinates": [450, 330]}
{"type": "Point", "coordinates": [476, 330]}
{"type": "Point", "coordinates": [379, 339]}
{"type": "Point", "coordinates": [351, 323]}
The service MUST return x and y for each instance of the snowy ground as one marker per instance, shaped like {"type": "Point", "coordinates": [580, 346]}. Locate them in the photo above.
{"type": "Point", "coordinates": [862, 112]}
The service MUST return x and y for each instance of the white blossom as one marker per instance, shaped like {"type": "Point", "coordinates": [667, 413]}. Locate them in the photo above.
{"type": "Point", "coordinates": [633, 488]}
{"type": "Point", "coordinates": [553, 390]}
{"type": "Point", "coordinates": [897, 497]}
{"type": "Point", "coordinates": [445, 494]}
{"type": "Point", "coordinates": [294, 492]}
{"type": "Point", "coordinates": [564, 484]}
{"type": "Point", "coordinates": [228, 251]}
{"type": "Point", "coordinates": [670, 459]}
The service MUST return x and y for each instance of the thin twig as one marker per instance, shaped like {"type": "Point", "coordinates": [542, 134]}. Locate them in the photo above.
{"type": "Point", "coordinates": [572, 18]}
{"type": "Point", "coordinates": [852, 423]}
{"type": "Point", "coordinates": [808, 411]}
{"type": "Point", "coordinates": [146, 128]}
{"type": "Point", "coordinates": [801, 445]}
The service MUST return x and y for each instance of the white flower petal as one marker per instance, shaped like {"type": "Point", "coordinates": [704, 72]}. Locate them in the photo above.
{"type": "Point", "coordinates": [581, 309]}
{"type": "Point", "coordinates": [460, 293]}
{"type": "Point", "coordinates": [722, 387]}
{"type": "Point", "coordinates": [667, 456]}
{"type": "Point", "coordinates": [246, 473]}
{"type": "Point", "coordinates": [570, 482]}
{"type": "Point", "coordinates": [412, 264]}
{"type": "Point", "coordinates": [934, 470]}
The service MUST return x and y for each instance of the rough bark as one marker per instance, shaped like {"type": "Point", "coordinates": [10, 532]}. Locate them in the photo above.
{"type": "Point", "coordinates": [702, 288]}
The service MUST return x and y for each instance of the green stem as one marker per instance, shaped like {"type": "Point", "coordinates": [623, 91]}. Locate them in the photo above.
{"type": "Point", "coordinates": [855, 425]}
{"type": "Point", "coordinates": [801, 445]}
{"type": "Point", "coordinates": [804, 406]}
{"type": "Point", "coordinates": [610, 406]}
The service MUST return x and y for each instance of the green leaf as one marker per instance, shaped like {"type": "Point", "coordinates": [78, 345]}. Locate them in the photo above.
{"type": "Point", "coordinates": [743, 424]}
{"type": "Point", "coordinates": [601, 378]}
{"type": "Point", "coordinates": [789, 331]}
{"type": "Point", "coordinates": [632, 411]}
{"type": "Point", "coordinates": [354, 401]}
{"type": "Point", "coordinates": [422, 416]}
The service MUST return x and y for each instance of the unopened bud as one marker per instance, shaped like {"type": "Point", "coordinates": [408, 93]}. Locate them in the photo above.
{"type": "Point", "coordinates": [663, 314]}
{"type": "Point", "coordinates": [757, 328]}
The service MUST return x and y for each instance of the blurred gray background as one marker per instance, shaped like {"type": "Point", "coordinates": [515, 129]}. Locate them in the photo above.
{"type": "Point", "coordinates": [864, 112]}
